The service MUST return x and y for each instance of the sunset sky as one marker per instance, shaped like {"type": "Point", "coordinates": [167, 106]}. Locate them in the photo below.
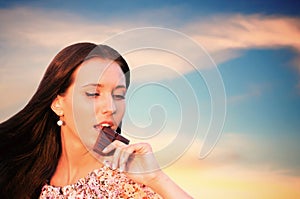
{"type": "Point", "coordinates": [224, 75]}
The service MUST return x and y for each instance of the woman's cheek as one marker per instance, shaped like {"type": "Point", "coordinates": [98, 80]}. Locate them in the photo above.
{"type": "Point", "coordinates": [121, 107]}
{"type": "Point", "coordinates": [85, 119]}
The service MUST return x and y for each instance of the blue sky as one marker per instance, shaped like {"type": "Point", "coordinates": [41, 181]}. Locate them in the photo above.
{"type": "Point", "coordinates": [255, 44]}
{"type": "Point", "coordinates": [193, 8]}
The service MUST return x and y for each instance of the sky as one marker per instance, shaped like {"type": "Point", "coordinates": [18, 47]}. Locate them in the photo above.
{"type": "Point", "coordinates": [215, 86]}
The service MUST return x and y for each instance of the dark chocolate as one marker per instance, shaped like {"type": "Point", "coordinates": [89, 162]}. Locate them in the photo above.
{"type": "Point", "coordinates": [105, 137]}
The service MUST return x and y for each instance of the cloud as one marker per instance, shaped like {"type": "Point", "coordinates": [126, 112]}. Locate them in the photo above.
{"type": "Point", "coordinates": [228, 33]}
{"type": "Point", "coordinates": [253, 91]}
{"type": "Point", "coordinates": [240, 166]}
{"type": "Point", "coordinates": [226, 36]}
{"type": "Point", "coordinates": [49, 28]}
{"type": "Point", "coordinates": [30, 37]}
{"type": "Point", "coordinates": [254, 152]}
{"type": "Point", "coordinates": [246, 31]}
{"type": "Point", "coordinates": [262, 153]}
{"type": "Point", "coordinates": [223, 36]}
{"type": "Point", "coordinates": [35, 35]}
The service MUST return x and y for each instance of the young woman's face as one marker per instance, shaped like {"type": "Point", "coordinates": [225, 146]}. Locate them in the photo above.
{"type": "Point", "coordinates": [96, 97]}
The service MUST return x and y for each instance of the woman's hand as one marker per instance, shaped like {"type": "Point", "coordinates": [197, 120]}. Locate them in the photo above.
{"type": "Point", "coordinates": [139, 164]}
{"type": "Point", "coordinates": [136, 160]}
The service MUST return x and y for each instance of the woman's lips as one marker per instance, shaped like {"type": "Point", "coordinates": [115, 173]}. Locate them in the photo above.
{"type": "Point", "coordinates": [103, 124]}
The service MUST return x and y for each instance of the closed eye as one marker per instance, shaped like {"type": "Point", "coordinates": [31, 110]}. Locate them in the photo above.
{"type": "Point", "coordinates": [118, 97]}
{"type": "Point", "coordinates": [92, 94]}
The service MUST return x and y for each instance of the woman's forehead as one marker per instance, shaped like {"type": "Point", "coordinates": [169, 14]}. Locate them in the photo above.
{"type": "Point", "coordinates": [99, 70]}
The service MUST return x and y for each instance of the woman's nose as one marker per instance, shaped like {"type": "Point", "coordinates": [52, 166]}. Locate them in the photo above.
{"type": "Point", "coordinates": [108, 106]}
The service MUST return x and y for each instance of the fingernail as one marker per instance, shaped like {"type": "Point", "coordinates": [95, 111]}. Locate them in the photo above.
{"type": "Point", "coordinates": [121, 168]}
{"type": "Point", "coordinates": [107, 163]}
{"type": "Point", "coordinates": [105, 150]}
{"type": "Point", "coordinates": [114, 166]}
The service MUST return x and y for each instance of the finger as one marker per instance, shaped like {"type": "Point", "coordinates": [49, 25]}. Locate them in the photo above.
{"type": "Point", "coordinates": [140, 148]}
{"type": "Point", "coordinates": [116, 158]}
{"type": "Point", "coordinates": [117, 147]}
{"type": "Point", "coordinates": [124, 158]}
{"type": "Point", "coordinates": [112, 146]}
{"type": "Point", "coordinates": [134, 152]}
{"type": "Point", "coordinates": [141, 160]}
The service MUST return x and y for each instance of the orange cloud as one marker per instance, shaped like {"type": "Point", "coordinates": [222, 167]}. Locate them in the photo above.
{"type": "Point", "coordinates": [231, 33]}
{"type": "Point", "coordinates": [31, 37]}
{"type": "Point", "coordinates": [234, 181]}
{"type": "Point", "coordinates": [34, 36]}
{"type": "Point", "coordinates": [223, 174]}
{"type": "Point", "coordinates": [247, 31]}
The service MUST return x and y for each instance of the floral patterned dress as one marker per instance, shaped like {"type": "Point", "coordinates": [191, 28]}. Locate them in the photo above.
{"type": "Point", "coordinates": [101, 183]}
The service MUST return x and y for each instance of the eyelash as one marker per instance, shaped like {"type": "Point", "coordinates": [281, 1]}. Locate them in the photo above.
{"type": "Point", "coordinates": [119, 97]}
{"type": "Point", "coordinates": [94, 95]}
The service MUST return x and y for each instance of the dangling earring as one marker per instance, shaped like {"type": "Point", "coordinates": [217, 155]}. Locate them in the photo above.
{"type": "Point", "coordinates": [60, 122]}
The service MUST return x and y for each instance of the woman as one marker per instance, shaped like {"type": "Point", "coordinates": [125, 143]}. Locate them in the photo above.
{"type": "Point", "coordinates": [46, 148]}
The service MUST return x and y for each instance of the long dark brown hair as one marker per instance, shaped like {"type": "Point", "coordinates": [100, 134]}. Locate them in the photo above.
{"type": "Point", "coordinates": [30, 141]}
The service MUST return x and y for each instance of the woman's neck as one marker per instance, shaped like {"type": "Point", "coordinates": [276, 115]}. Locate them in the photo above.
{"type": "Point", "coordinates": [75, 161]}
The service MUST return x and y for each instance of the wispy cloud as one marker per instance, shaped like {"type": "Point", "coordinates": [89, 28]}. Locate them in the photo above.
{"type": "Point", "coordinates": [263, 153]}
{"type": "Point", "coordinates": [253, 91]}
{"type": "Point", "coordinates": [247, 31]}
{"type": "Point", "coordinates": [222, 35]}
{"type": "Point", "coordinates": [240, 166]}
{"type": "Point", "coordinates": [30, 37]}
{"type": "Point", "coordinates": [226, 36]}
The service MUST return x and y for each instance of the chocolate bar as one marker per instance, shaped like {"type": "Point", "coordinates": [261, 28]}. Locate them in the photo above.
{"type": "Point", "coordinates": [107, 136]}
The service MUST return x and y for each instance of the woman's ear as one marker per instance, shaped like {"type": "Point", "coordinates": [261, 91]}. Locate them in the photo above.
{"type": "Point", "coordinates": [56, 106]}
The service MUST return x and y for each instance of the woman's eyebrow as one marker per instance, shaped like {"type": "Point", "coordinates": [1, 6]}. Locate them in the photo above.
{"type": "Point", "coordinates": [94, 85]}
{"type": "Point", "coordinates": [120, 86]}
{"type": "Point", "coordinates": [101, 85]}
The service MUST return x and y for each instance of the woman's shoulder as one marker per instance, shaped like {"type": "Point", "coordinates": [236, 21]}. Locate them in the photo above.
{"type": "Point", "coordinates": [103, 182]}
